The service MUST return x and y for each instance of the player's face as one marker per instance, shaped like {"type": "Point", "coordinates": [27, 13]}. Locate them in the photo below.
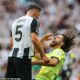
{"type": "Point", "coordinates": [57, 41]}
{"type": "Point", "coordinates": [36, 13]}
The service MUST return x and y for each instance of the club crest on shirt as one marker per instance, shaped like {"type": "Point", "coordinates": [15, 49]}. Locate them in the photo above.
{"type": "Point", "coordinates": [59, 53]}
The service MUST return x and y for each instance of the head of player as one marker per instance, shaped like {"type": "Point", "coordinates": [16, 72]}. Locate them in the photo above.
{"type": "Point", "coordinates": [64, 41]}
{"type": "Point", "coordinates": [33, 10]}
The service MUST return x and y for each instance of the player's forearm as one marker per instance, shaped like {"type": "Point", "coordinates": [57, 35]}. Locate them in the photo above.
{"type": "Point", "coordinates": [37, 54]}
{"type": "Point", "coordinates": [38, 62]}
{"type": "Point", "coordinates": [41, 62]}
{"type": "Point", "coordinates": [39, 47]}
{"type": "Point", "coordinates": [11, 43]}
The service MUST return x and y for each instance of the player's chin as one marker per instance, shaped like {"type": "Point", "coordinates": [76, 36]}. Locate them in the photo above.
{"type": "Point", "coordinates": [52, 44]}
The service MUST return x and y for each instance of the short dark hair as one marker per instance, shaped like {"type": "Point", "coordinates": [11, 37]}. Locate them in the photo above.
{"type": "Point", "coordinates": [68, 40]}
{"type": "Point", "coordinates": [33, 6]}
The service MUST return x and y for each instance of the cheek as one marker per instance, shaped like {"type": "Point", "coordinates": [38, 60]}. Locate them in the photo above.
{"type": "Point", "coordinates": [37, 15]}
{"type": "Point", "coordinates": [58, 41]}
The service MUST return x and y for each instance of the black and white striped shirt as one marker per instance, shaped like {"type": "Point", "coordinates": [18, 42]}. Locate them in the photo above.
{"type": "Point", "coordinates": [21, 34]}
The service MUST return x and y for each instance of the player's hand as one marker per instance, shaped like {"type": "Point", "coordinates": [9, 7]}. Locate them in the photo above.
{"type": "Point", "coordinates": [47, 37]}
{"type": "Point", "coordinates": [45, 58]}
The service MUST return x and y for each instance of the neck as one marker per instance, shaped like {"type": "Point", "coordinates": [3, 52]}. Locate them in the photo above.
{"type": "Point", "coordinates": [29, 14]}
{"type": "Point", "coordinates": [57, 47]}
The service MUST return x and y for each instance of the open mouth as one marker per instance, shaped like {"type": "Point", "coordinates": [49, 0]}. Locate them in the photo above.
{"type": "Point", "coordinates": [53, 42]}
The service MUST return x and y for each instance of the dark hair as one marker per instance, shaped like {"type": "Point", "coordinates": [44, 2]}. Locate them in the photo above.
{"type": "Point", "coordinates": [68, 40]}
{"type": "Point", "coordinates": [33, 6]}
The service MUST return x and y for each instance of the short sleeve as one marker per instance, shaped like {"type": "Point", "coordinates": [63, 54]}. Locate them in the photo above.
{"type": "Point", "coordinates": [35, 26]}
{"type": "Point", "coordinates": [60, 55]}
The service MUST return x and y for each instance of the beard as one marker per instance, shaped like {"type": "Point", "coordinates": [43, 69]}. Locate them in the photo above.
{"type": "Point", "coordinates": [53, 44]}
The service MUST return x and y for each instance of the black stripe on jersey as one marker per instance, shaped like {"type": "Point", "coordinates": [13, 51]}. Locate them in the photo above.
{"type": "Point", "coordinates": [15, 51]}
{"type": "Point", "coordinates": [35, 26]}
{"type": "Point", "coordinates": [26, 52]}
{"type": "Point", "coordinates": [55, 57]}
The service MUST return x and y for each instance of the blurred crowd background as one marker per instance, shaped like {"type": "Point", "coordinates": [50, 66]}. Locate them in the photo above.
{"type": "Point", "coordinates": [56, 17]}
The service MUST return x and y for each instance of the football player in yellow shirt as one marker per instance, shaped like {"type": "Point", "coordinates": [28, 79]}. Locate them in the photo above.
{"type": "Point", "coordinates": [61, 44]}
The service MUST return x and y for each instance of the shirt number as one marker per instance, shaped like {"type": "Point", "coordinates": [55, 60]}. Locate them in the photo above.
{"type": "Point", "coordinates": [18, 32]}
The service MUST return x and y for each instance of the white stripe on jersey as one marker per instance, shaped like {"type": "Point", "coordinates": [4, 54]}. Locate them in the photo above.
{"type": "Point", "coordinates": [21, 34]}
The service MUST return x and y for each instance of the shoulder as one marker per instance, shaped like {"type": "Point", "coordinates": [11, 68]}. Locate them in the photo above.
{"type": "Point", "coordinates": [58, 51]}
{"type": "Point", "coordinates": [34, 20]}
{"type": "Point", "coordinates": [28, 18]}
